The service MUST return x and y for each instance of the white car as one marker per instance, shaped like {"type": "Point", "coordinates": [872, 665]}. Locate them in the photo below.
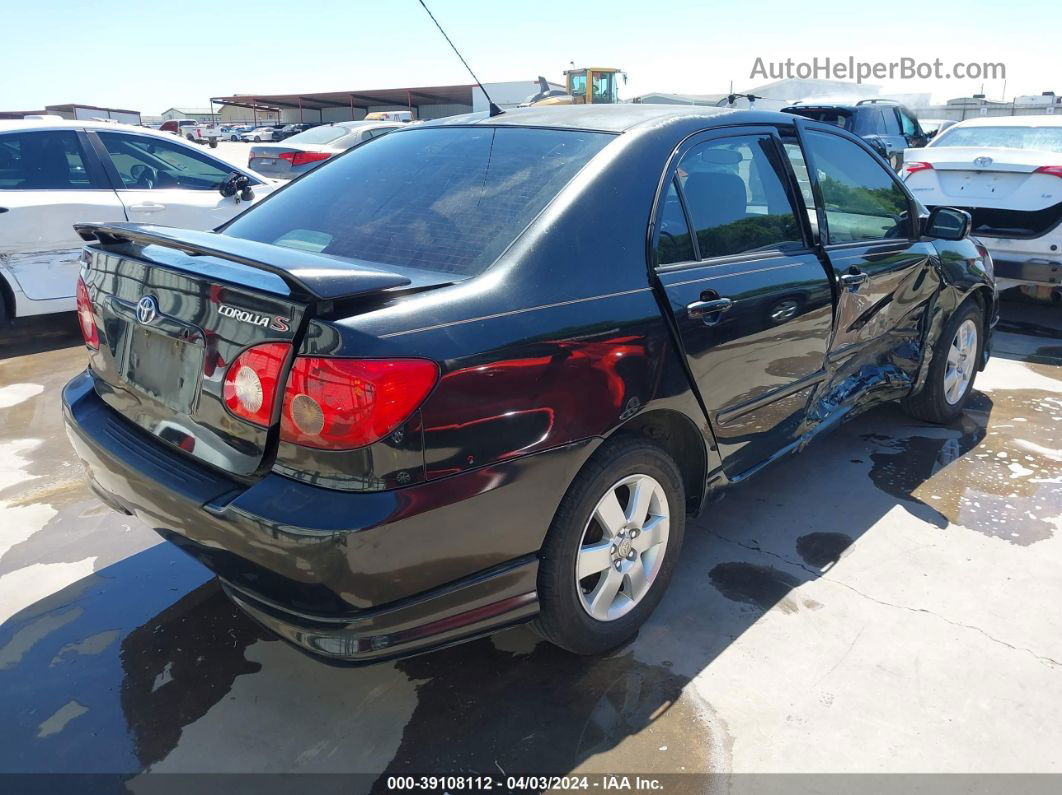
{"type": "Point", "coordinates": [259, 134]}
{"type": "Point", "coordinates": [55, 173]}
{"type": "Point", "coordinates": [1007, 173]}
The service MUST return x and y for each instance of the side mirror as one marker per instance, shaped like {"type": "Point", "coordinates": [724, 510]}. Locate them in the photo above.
{"type": "Point", "coordinates": [236, 183]}
{"type": "Point", "coordinates": [947, 223]}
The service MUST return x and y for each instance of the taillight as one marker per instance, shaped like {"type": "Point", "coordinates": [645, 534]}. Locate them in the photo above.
{"type": "Point", "coordinates": [251, 382]}
{"type": "Point", "coordinates": [917, 165]}
{"type": "Point", "coordinates": [302, 158]}
{"type": "Point", "coordinates": [341, 404]}
{"type": "Point", "coordinates": [1054, 171]}
{"type": "Point", "coordinates": [86, 317]}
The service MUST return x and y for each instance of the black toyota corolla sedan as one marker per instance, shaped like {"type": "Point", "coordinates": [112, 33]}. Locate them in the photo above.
{"type": "Point", "coordinates": [479, 372]}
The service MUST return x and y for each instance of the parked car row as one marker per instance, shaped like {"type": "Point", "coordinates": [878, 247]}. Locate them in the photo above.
{"type": "Point", "coordinates": [478, 372]}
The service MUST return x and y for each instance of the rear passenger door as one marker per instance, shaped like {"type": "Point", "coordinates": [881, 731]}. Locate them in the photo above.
{"type": "Point", "coordinates": [884, 273]}
{"type": "Point", "coordinates": [49, 181]}
{"type": "Point", "coordinates": [751, 301]}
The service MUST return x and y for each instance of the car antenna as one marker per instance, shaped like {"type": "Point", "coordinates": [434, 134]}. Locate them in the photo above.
{"type": "Point", "coordinates": [494, 109]}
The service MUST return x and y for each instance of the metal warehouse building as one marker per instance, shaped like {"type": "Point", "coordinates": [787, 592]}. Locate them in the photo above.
{"type": "Point", "coordinates": [426, 102]}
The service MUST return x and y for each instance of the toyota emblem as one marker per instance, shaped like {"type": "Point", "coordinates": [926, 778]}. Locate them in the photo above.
{"type": "Point", "coordinates": [147, 309]}
{"type": "Point", "coordinates": [982, 162]}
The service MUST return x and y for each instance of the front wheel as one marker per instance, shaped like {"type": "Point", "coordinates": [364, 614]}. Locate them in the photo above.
{"type": "Point", "coordinates": [257, 139]}
{"type": "Point", "coordinates": [952, 369]}
{"type": "Point", "coordinates": [213, 143]}
{"type": "Point", "coordinates": [612, 547]}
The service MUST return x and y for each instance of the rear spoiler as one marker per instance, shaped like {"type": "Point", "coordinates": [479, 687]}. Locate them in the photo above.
{"type": "Point", "coordinates": [314, 276]}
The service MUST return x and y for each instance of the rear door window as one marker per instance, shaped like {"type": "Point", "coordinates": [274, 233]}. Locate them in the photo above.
{"type": "Point", "coordinates": [736, 197]}
{"type": "Point", "coordinates": [444, 198]}
{"type": "Point", "coordinates": [862, 200]}
{"type": "Point", "coordinates": [43, 160]}
{"type": "Point", "coordinates": [892, 124]}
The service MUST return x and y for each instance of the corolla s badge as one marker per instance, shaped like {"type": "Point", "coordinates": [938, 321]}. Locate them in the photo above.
{"type": "Point", "coordinates": [147, 309]}
{"type": "Point", "coordinates": [982, 162]}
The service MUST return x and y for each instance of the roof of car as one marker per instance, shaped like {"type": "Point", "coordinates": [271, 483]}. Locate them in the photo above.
{"type": "Point", "coordinates": [14, 125]}
{"type": "Point", "coordinates": [1046, 120]}
{"type": "Point", "coordinates": [608, 118]}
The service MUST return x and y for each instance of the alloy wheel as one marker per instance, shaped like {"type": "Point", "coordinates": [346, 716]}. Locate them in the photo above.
{"type": "Point", "coordinates": [962, 357]}
{"type": "Point", "coordinates": [622, 547]}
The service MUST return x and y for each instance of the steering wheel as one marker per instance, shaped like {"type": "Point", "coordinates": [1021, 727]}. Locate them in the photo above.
{"type": "Point", "coordinates": [143, 176]}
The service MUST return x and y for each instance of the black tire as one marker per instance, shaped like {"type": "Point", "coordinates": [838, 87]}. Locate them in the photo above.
{"type": "Point", "coordinates": [930, 403]}
{"type": "Point", "coordinates": [562, 619]}
{"type": "Point", "coordinates": [213, 143]}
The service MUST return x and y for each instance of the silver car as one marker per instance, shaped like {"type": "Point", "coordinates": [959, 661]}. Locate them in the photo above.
{"type": "Point", "coordinates": [307, 150]}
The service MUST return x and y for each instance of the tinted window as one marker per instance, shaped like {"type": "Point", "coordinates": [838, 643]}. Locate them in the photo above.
{"type": "Point", "coordinates": [147, 162]}
{"type": "Point", "coordinates": [892, 125]}
{"type": "Point", "coordinates": [1047, 139]}
{"type": "Point", "coordinates": [842, 118]}
{"type": "Point", "coordinates": [735, 197]}
{"type": "Point", "coordinates": [870, 122]}
{"type": "Point", "coordinates": [449, 199]}
{"type": "Point", "coordinates": [42, 160]}
{"type": "Point", "coordinates": [674, 243]}
{"type": "Point", "coordinates": [862, 201]}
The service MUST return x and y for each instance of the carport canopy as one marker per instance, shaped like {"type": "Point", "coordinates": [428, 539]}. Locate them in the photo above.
{"type": "Point", "coordinates": [412, 98]}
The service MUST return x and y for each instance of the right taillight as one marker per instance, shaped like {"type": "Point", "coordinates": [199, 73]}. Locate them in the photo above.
{"type": "Point", "coordinates": [1054, 171]}
{"type": "Point", "coordinates": [342, 404]}
{"type": "Point", "coordinates": [916, 166]}
{"type": "Point", "coordinates": [86, 317]}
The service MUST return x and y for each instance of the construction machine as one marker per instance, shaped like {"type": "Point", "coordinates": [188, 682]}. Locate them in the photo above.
{"type": "Point", "coordinates": [591, 85]}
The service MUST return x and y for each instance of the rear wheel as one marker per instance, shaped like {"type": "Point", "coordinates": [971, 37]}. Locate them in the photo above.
{"type": "Point", "coordinates": [952, 369]}
{"type": "Point", "coordinates": [612, 547]}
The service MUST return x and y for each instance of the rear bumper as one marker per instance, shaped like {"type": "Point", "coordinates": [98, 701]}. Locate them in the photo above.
{"type": "Point", "coordinates": [1040, 272]}
{"type": "Point", "coordinates": [354, 576]}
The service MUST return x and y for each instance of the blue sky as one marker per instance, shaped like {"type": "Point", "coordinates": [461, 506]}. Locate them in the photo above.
{"type": "Point", "coordinates": [151, 55]}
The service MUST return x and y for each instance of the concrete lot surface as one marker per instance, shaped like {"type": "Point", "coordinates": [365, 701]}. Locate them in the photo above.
{"type": "Point", "coordinates": [888, 601]}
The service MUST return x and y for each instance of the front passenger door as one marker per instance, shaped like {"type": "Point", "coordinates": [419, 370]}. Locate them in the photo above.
{"type": "Point", "coordinates": [168, 182]}
{"type": "Point", "coordinates": [884, 273]}
{"type": "Point", "coordinates": [751, 301]}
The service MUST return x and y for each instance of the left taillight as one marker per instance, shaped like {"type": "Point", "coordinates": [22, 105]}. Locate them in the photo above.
{"type": "Point", "coordinates": [252, 382]}
{"type": "Point", "coordinates": [86, 316]}
{"type": "Point", "coordinates": [917, 165]}
{"type": "Point", "coordinates": [302, 158]}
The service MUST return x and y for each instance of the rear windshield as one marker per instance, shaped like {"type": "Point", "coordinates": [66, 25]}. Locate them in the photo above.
{"type": "Point", "coordinates": [319, 135]}
{"type": "Point", "coordinates": [445, 198]}
{"type": "Point", "coordinates": [841, 118]}
{"type": "Point", "coordinates": [1045, 139]}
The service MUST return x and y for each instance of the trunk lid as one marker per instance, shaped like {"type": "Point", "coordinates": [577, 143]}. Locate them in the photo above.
{"type": "Point", "coordinates": [268, 159]}
{"type": "Point", "coordinates": [175, 308]}
{"type": "Point", "coordinates": [985, 177]}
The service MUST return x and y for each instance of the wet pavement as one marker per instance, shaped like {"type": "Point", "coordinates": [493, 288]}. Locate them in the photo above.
{"type": "Point", "coordinates": [886, 601]}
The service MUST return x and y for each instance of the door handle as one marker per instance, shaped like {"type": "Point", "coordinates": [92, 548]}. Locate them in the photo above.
{"type": "Point", "coordinates": [148, 207]}
{"type": "Point", "coordinates": [701, 310]}
{"type": "Point", "coordinates": [853, 278]}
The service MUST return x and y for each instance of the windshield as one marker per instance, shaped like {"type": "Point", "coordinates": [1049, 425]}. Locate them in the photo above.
{"type": "Point", "coordinates": [319, 135]}
{"type": "Point", "coordinates": [1046, 139]}
{"type": "Point", "coordinates": [445, 198]}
